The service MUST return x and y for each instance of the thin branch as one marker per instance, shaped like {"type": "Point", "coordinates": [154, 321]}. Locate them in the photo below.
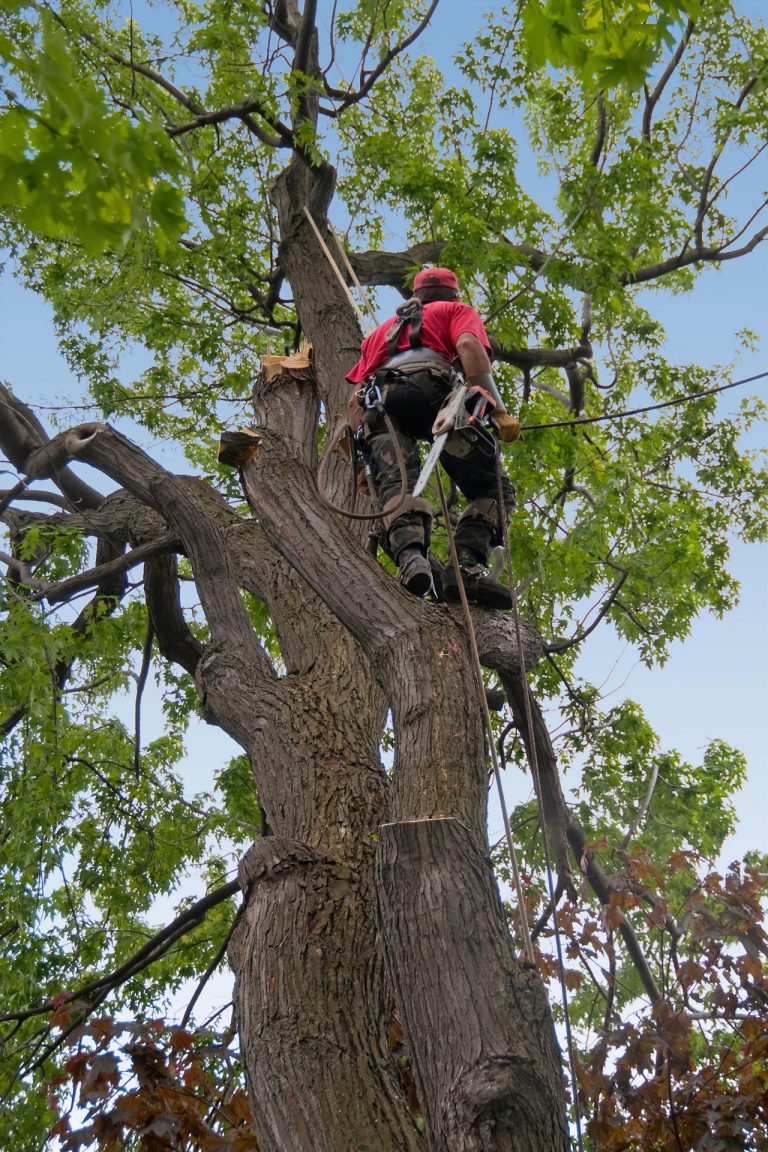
{"type": "Point", "coordinates": [146, 663]}
{"type": "Point", "coordinates": [643, 809]}
{"type": "Point", "coordinates": [580, 636]}
{"type": "Point", "coordinates": [652, 98]}
{"type": "Point", "coordinates": [24, 571]}
{"type": "Point", "coordinates": [602, 125]}
{"type": "Point", "coordinates": [704, 201]}
{"type": "Point", "coordinates": [346, 99]}
{"type": "Point", "coordinates": [241, 111]}
{"type": "Point", "coordinates": [217, 959]}
{"type": "Point", "coordinates": [25, 494]}
{"type": "Point", "coordinates": [65, 589]}
{"type": "Point", "coordinates": [155, 947]}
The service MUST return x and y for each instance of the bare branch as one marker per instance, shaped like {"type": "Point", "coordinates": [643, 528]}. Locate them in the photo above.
{"type": "Point", "coordinates": [304, 37]}
{"type": "Point", "coordinates": [692, 256]}
{"type": "Point", "coordinates": [602, 125]}
{"type": "Point", "coordinates": [174, 637]}
{"type": "Point", "coordinates": [22, 436]}
{"type": "Point", "coordinates": [241, 111]}
{"type": "Point", "coordinates": [645, 805]}
{"type": "Point", "coordinates": [57, 593]}
{"type": "Point", "coordinates": [23, 493]}
{"type": "Point", "coordinates": [25, 572]}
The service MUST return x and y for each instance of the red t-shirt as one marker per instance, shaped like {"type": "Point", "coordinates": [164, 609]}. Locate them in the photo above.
{"type": "Point", "coordinates": [443, 321]}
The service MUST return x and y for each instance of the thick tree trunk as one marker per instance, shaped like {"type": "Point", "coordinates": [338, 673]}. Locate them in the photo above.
{"type": "Point", "coordinates": [421, 658]}
{"type": "Point", "coordinates": [311, 992]}
{"type": "Point", "coordinates": [486, 1064]}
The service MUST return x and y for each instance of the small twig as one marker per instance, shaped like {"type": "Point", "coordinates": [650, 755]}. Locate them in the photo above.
{"type": "Point", "coordinates": [217, 959]}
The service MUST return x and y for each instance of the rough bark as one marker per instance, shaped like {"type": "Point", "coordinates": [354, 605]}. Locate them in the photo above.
{"type": "Point", "coordinates": [313, 994]}
{"type": "Point", "coordinates": [485, 1058]}
{"type": "Point", "coordinates": [420, 657]}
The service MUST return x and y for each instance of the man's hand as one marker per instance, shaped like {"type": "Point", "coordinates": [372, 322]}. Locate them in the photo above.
{"type": "Point", "coordinates": [507, 427]}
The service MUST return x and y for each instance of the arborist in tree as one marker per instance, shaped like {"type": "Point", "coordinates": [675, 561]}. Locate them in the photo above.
{"type": "Point", "coordinates": [407, 368]}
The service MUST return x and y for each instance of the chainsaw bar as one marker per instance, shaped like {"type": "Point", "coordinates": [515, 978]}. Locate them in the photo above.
{"type": "Point", "coordinates": [429, 463]}
{"type": "Point", "coordinates": [446, 420]}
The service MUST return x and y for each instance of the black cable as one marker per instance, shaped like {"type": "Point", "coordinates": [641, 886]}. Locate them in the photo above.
{"type": "Point", "coordinates": [647, 408]}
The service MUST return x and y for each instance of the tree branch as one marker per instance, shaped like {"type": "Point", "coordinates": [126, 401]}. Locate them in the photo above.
{"type": "Point", "coordinates": [304, 37]}
{"type": "Point", "coordinates": [346, 99]}
{"type": "Point", "coordinates": [174, 638]}
{"type": "Point", "coordinates": [652, 98]}
{"type": "Point", "coordinates": [155, 947]}
{"type": "Point", "coordinates": [604, 889]}
{"type": "Point", "coordinates": [22, 437]}
{"type": "Point", "coordinates": [65, 589]}
{"type": "Point", "coordinates": [241, 111]}
{"type": "Point", "coordinates": [602, 125]}
{"type": "Point", "coordinates": [704, 201]}
{"type": "Point", "coordinates": [580, 636]}
{"type": "Point", "coordinates": [692, 256]}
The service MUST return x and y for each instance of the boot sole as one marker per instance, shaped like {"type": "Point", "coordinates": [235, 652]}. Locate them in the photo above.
{"type": "Point", "coordinates": [477, 594]}
{"type": "Point", "coordinates": [418, 584]}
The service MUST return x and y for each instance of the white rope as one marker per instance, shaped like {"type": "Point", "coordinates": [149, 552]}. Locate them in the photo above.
{"type": "Point", "coordinates": [525, 931]}
{"type": "Point", "coordinates": [360, 315]}
{"type": "Point", "coordinates": [353, 276]}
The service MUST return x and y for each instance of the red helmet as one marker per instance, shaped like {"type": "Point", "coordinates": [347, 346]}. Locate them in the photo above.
{"type": "Point", "coordinates": [435, 278]}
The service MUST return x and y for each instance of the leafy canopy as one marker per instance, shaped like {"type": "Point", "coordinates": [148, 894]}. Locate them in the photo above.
{"type": "Point", "coordinates": [547, 175]}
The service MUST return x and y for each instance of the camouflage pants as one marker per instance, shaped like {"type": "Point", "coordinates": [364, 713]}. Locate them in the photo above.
{"type": "Point", "coordinates": [412, 408]}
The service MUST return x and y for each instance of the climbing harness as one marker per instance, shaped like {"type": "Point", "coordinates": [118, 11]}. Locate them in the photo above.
{"type": "Point", "coordinates": [327, 455]}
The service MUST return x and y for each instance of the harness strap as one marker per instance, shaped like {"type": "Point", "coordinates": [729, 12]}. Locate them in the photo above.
{"type": "Point", "coordinates": [409, 312]}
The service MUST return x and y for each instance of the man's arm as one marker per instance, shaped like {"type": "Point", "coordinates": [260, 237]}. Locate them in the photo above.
{"type": "Point", "coordinates": [473, 356]}
{"type": "Point", "coordinates": [477, 371]}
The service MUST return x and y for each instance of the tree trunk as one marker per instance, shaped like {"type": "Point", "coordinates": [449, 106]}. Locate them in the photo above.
{"type": "Point", "coordinates": [315, 989]}
{"type": "Point", "coordinates": [485, 1064]}
{"type": "Point", "coordinates": [476, 1083]}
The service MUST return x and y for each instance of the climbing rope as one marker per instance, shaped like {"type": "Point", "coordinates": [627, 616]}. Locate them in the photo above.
{"type": "Point", "coordinates": [579, 420]}
{"type": "Point", "coordinates": [533, 760]}
{"type": "Point", "coordinates": [341, 431]}
{"type": "Point", "coordinates": [525, 931]}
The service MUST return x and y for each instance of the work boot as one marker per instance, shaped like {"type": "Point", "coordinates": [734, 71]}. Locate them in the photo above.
{"type": "Point", "coordinates": [481, 589]}
{"type": "Point", "coordinates": [415, 571]}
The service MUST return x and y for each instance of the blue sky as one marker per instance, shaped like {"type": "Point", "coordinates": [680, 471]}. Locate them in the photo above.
{"type": "Point", "coordinates": [715, 684]}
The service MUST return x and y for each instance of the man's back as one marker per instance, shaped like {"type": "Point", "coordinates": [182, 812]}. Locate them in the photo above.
{"type": "Point", "coordinates": [443, 321]}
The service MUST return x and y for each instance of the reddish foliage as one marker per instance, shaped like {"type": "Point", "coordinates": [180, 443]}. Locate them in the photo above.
{"type": "Point", "coordinates": [688, 1071]}
{"type": "Point", "coordinates": [164, 1086]}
